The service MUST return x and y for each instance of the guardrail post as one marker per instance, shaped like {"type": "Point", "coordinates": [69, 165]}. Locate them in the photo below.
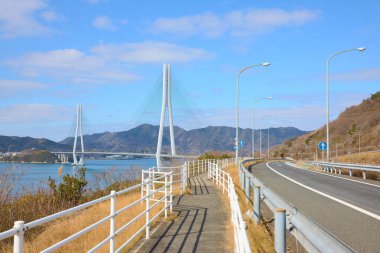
{"type": "Point", "coordinates": [247, 188]}
{"type": "Point", "coordinates": [166, 195]}
{"type": "Point", "coordinates": [147, 210]}
{"type": "Point", "coordinates": [364, 175]}
{"type": "Point", "coordinates": [18, 239]}
{"type": "Point", "coordinates": [280, 231]}
{"type": "Point", "coordinates": [340, 171]}
{"type": "Point", "coordinates": [243, 179]}
{"type": "Point", "coordinates": [256, 204]}
{"type": "Point", "coordinates": [112, 221]}
{"type": "Point", "coordinates": [350, 173]}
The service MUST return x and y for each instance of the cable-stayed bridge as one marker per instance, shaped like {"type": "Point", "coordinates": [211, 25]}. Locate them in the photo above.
{"type": "Point", "coordinates": [166, 107]}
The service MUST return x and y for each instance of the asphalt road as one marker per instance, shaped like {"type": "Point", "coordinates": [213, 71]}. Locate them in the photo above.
{"type": "Point", "coordinates": [350, 211]}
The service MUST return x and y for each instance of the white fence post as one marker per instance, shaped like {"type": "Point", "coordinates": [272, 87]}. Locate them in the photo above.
{"type": "Point", "coordinates": [166, 195]}
{"type": "Point", "coordinates": [112, 221]}
{"type": "Point", "coordinates": [147, 207]}
{"type": "Point", "coordinates": [18, 241]}
{"type": "Point", "coordinates": [171, 191]}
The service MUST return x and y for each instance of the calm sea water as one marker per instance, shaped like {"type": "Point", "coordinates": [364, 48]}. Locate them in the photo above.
{"type": "Point", "coordinates": [32, 176]}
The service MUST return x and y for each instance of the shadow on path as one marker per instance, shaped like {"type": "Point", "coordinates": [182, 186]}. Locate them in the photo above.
{"type": "Point", "coordinates": [199, 224]}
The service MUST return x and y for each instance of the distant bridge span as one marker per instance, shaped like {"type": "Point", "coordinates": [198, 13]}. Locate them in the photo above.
{"type": "Point", "coordinates": [125, 153]}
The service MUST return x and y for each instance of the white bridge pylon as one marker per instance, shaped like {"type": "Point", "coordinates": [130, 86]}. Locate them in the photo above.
{"type": "Point", "coordinates": [78, 127]}
{"type": "Point", "coordinates": [166, 103]}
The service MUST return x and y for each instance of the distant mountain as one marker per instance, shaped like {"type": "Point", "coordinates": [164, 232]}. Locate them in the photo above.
{"type": "Point", "coordinates": [17, 144]}
{"type": "Point", "coordinates": [144, 139]}
{"type": "Point", "coordinates": [359, 120]}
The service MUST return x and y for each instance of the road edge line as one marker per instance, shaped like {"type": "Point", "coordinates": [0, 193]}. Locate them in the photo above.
{"type": "Point", "coordinates": [348, 179]}
{"type": "Point", "coordinates": [375, 216]}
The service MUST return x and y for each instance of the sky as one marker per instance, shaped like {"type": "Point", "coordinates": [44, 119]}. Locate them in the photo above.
{"type": "Point", "coordinates": [108, 56]}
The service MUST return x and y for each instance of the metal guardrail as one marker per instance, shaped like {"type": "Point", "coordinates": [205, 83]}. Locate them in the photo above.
{"type": "Point", "coordinates": [312, 236]}
{"type": "Point", "coordinates": [224, 180]}
{"type": "Point", "coordinates": [337, 167]}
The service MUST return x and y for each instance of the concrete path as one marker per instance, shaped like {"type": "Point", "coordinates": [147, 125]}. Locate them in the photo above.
{"type": "Point", "coordinates": [202, 223]}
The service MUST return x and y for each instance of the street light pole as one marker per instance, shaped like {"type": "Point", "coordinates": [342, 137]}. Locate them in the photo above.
{"type": "Point", "coordinates": [268, 143]}
{"type": "Point", "coordinates": [265, 64]}
{"type": "Point", "coordinates": [361, 49]}
{"type": "Point", "coordinates": [253, 122]}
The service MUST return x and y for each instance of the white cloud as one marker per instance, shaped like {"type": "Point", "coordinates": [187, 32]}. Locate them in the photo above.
{"type": "Point", "coordinates": [72, 65]}
{"type": "Point", "coordinates": [104, 63]}
{"type": "Point", "coordinates": [103, 22]}
{"type": "Point", "coordinates": [372, 74]}
{"type": "Point", "coordinates": [51, 16]}
{"type": "Point", "coordinates": [206, 24]}
{"type": "Point", "coordinates": [18, 18]}
{"type": "Point", "coordinates": [151, 52]}
{"type": "Point", "coordinates": [235, 23]}
{"type": "Point", "coordinates": [32, 113]}
{"type": "Point", "coordinates": [95, 1]}
{"type": "Point", "coordinates": [9, 87]}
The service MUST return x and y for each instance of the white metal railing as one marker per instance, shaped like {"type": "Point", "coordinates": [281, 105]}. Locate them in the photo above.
{"type": "Point", "coordinates": [223, 180]}
{"type": "Point", "coordinates": [158, 189]}
{"type": "Point", "coordinates": [166, 190]}
{"type": "Point", "coordinates": [337, 167]}
{"type": "Point", "coordinates": [157, 186]}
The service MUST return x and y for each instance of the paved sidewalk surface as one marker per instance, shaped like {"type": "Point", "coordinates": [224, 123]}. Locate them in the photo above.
{"type": "Point", "coordinates": [202, 223]}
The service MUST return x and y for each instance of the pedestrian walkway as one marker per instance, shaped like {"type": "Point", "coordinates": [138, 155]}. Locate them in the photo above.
{"type": "Point", "coordinates": [202, 222]}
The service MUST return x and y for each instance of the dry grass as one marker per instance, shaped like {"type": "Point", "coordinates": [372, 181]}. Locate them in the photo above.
{"type": "Point", "coordinates": [57, 230]}
{"type": "Point", "coordinates": [259, 238]}
{"type": "Point", "coordinates": [366, 158]}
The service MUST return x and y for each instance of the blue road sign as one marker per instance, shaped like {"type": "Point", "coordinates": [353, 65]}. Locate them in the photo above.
{"type": "Point", "coordinates": [322, 146]}
{"type": "Point", "coordinates": [241, 143]}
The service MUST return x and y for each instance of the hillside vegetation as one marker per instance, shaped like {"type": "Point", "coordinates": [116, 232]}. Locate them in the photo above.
{"type": "Point", "coordinates": [143, 139]}
{"type": "Point", "coordinates": [196, 141]}
{"type": "Point", "coordinates": [358, 122]}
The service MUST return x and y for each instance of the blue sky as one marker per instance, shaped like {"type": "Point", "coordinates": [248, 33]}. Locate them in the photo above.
{"type": "Point", "coordinates": [108, 55]}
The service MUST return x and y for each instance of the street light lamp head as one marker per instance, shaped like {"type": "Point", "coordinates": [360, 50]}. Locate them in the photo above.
{"type": "Point", "coordinates": [361, 49]}
{"type": "Point", "coordinates": [269, 97]}
{"type": "Point", "coordinates": [265, 64]}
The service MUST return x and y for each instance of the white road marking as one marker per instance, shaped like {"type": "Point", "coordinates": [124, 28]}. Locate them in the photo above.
{"type": "Point", "coordinates": [348, 179]}
{"type": "Point", "coordinates": [377, 217]}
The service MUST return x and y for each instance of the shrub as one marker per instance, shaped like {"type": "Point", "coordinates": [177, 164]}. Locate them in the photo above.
{"type": "Point", "coordinates": [72, 188]}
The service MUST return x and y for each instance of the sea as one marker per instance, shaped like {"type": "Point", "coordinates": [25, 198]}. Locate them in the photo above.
{"type": "Point", "coordinates": [31, 176]}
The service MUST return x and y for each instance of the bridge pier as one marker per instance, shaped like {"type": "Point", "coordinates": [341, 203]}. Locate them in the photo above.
{"type": "Point", "coordinates": [166, 103]}
{"type": "Point", "coordinates": [78, 127]}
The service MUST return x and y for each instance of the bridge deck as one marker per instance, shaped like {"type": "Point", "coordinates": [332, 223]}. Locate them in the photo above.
{"type": "Point", "coordinates": [202, 223]}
